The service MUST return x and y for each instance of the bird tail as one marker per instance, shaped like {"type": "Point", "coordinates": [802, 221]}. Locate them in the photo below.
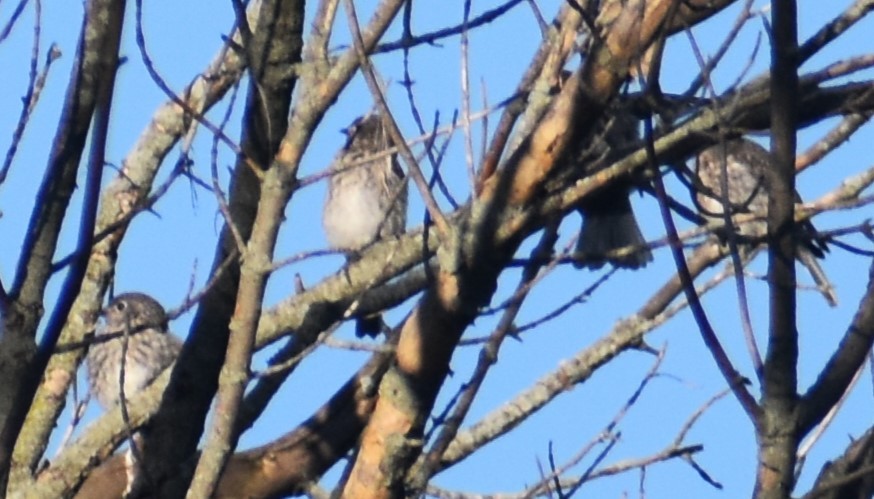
{"type": "Point", "coordinates": [612, 236]}
{"type": "Point", "coordinates": [370, 325]}
{"type": "Point", "coordinates": [807, 258]}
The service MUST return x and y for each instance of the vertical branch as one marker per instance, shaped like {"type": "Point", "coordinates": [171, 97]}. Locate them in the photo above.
{"type": "Point", "coordinates": [272, 48]}
{"type": "Point", "coordinates": [87, 224]}
{"type": "Point", "coordinates": [93, 75]}
{"type": "Point", "coordinates": [778, 436]}
{"type": "Point", "coordinates": [465, 96]}
{"type": "Point", "coordinates": [318, 91]}
{"type": "Point", "coordinates": [125, 196]}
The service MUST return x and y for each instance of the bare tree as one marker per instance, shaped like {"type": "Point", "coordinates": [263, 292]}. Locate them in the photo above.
{"type": "Point", "coordinates": [400, 420]}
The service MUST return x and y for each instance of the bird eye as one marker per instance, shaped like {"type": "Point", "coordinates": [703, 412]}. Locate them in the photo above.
{"type": "Point", "coordinates": [120, 306]}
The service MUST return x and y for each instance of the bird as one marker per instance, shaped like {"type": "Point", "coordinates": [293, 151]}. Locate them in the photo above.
{"type": "Point", "coordinates": [140, 321]}
{"type": "Point", "coordinates": [608, 222]}
{"type": "Point", "coordinates": [745, 163]}
{"type": "Point", "coordinates": [367, 197]}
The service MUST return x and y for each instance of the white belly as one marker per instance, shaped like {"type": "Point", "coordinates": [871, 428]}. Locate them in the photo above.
{"type": "Point", "coordinates": [354, 221]}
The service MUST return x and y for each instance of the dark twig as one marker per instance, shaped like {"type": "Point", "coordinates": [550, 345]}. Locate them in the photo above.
{"type": "Point", "coordinates": [16, 14]}
{"type": "Point", "coordinates": [162, 84]}
{"type": "Point", "coordinates": [607, 434]}
{"type": "Point", "coordinates": [733, 378]}
{"type": "Point", "coordinates": [712, 61]}
{"type": "Point", "coordinates": [407, 42]}
{"type": "Point", "coordinates": [732, 235]}
{"type": "Point", "coordinates": [431, 137]}
{"type": "Point", "coordinates": [221, 199]}
{"type": "Point", "coordinates": [145, 205]}
{"type": "Point", "coordinates": [35, 85]}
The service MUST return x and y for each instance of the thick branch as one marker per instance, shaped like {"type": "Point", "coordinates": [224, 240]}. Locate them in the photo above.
{"type": "Point", "coordinates": [777, 431]}
{"type": "Point", "coordinates": [843, 364]}
{"type": "Point", "coordinates": [391, 442]}
{"type": "Point", "coordinates": [850, 475]}
{"type": "Point", "coordinates": [93, 76]}
{"type": "Point", "coordinates": [286, 465]}
{"type": "Point", "coordinates": [124, 197]}
{"type": "Point", "coordinates": [274, 46]}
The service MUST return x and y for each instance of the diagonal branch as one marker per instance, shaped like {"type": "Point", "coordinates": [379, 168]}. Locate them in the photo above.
{"type": "Point", "coordinates": [391, 441]}
{"type": "Point", "coordinates": [843, 364]}
{"type": "Point", "coordinates": [272, 49]}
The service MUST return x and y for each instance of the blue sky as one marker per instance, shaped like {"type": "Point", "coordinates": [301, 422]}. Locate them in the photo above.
{"type": "Point", "coordinates": [162, 252]}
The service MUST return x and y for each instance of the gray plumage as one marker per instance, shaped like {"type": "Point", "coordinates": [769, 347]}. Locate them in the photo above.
{"type": "Point", "coordinates": [367, 198]}
{"type": "Point", "coordinates": [609, 223]}
{"type": "Point", "coordinates": [150, 347]}
{"type": "Point", "coordinates": [745, 163]}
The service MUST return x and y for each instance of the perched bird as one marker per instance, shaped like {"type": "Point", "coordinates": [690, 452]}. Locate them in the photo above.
{"type": "Point", "coordinates": [745, 163]}
{"type": "Point", "coordinates": [609, 223]}
{"type": "Point", "coordinates": [140, 321]}
{"type": "Point", "coordinates": [367, 198]}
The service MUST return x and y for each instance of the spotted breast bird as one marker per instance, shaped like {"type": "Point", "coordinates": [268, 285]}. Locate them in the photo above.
{"type": "Point", "coordinates": [136, 324]}
{"type": "Point", "coordinates": [744, 164]}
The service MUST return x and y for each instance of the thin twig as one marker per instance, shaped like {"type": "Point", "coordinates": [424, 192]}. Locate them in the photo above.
{"type": "Point", "coordinates": [412, 166]}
